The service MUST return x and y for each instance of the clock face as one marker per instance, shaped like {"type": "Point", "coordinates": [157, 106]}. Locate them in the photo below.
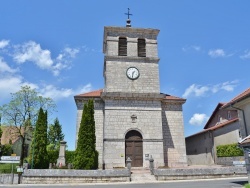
{"type": "Point", "coordinates": [133, 73]}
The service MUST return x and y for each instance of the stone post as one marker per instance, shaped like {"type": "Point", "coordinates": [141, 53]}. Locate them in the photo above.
{"type": "Point", "coordinates": [129, 163]}
{"type": "Point", "coordinates": [151, 165]}
{"type": "Point", "coordinates": [61, 158]}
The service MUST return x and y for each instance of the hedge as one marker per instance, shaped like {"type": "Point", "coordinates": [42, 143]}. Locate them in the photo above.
{"type": "Point", "coordinates": [229, 150]}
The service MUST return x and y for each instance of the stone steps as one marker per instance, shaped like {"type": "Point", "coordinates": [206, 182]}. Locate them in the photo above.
{"type": "Point", "coordinates": [142, 175]}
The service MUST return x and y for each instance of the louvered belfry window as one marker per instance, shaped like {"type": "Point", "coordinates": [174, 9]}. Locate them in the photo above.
{"type": "Point", "coordinates": [122, 46]}
{"type": "Point", "coordinates": [141, 48]}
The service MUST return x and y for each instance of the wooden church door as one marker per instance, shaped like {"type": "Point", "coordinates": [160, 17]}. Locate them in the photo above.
{"type": "Point", "coordinates": [134, 148]}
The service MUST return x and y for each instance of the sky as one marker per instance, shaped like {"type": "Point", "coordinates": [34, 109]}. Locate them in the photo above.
{"type": "Point", "coordinates": [55, 46]}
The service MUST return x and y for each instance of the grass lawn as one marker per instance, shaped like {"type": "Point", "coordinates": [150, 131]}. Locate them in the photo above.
{"type": "Point", "coordinates": [6, 168]}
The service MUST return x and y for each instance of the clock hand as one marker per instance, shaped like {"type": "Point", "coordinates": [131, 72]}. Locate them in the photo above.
{"type": "Point", "coordinates": [133, 74]}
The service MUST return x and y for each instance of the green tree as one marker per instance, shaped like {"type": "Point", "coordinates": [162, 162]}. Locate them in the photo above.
{"type": "Point", "coordinates": [55, 135]}
{"type": "Point", "coordinates": [7, 149]}
{"type": "Point", "coordinates": [22, 112]}
{"type": "Point", "coordinates": [39, 142]}
{"type": "Point", "coordinates": [86, 155]}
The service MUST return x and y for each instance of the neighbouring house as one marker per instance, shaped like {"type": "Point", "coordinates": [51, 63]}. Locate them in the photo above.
{"type": "Point", "coordinates": [241, 103]}
{"type": "Point", "coordinates": [10, 136]}
{"type": "Point", "coordinates": [222, 128]}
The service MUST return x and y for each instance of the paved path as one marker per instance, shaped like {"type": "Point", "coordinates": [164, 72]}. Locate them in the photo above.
{"type": "Point", "coordinates": [142, 175]}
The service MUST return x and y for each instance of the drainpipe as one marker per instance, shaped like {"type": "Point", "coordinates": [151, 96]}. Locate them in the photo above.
{"type": "Point", "coordinates": [244, 118]}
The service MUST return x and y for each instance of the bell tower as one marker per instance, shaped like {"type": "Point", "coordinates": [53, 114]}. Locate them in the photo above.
{"type": "Point", "coordinates": [131, 60]}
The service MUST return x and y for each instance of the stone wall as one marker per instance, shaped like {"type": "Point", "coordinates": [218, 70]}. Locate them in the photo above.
{"type": "Point", "coordinates": [198, 173]}
{"type": "Point", "coordinates": [7, 178]}
{"type": "Point", "coordinates": [49, 176]}
{"type": "Point", "coordinates": [228, 161]}
{"type": "Point", "coordinates": [118, 123]}
{"type": "Point", "coordinates": [173, 135]}
{"type": "Point", "coordinates": [112, 34]}
{"type": "Point", "coordinates": [117, 81]}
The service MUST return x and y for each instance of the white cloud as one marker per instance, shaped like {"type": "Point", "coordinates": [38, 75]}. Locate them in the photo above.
{"type": "Point", "coordinates": [84, 89]}
{"type": "Point", "coordinates": [198, 119]}
{"type": "Point", "coordinates": [12, 84]}
{"type": "Point", "coordinates": [192, 47]}
{"type": "Point", "coordinates": [60, 93]}
{"type": "Point", "coordinates": [31, 51]}
{"type": "Point", "coordinates": [198, 90]}
{"type": "Point", "coordinates": [55, 93]}
{"type": "Point", "coordinates": [4, 43]}
{"type": "Point", "coordinates": [246, 55]}
{"type": "Point", "coordinates": [4, 67]}
{"type": "Point", "coordinates": [64, 60]}
{"type": "Point", "coordinates": [217, 53]}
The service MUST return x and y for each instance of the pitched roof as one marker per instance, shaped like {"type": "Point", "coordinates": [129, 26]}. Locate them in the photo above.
{"type": "Point", "coordinates": [216, 126]}
{"type": "Point", "coordinates": [213, 114]}
{"type": "Point", "coordinates": [97, 93]}
{"type": "Point", "coordinates": [171, 97]}
{"type": "Point", "coordinates": [238, 98]}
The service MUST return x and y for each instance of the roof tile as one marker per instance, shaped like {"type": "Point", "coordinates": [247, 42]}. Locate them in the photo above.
{"type": "Point", "coordinates": [238, 98]}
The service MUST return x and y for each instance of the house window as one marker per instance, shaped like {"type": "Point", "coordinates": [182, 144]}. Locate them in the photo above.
{"type": "Point", "coordinates": [141, 48]}
{"type": "Point", "coordinates": [219, 117]}
{"type": "Point", "coordinates": [229, 116]}
{"type": "Point", "coordinates": [122, 46]}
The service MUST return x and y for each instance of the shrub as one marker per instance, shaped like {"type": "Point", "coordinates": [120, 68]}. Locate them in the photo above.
{"type": "Point", "coordinates": [69, 156]}
{"type": "Point", "coordinates": [229, 150]}
{"type": "Point", "coordinates": [53, 156]}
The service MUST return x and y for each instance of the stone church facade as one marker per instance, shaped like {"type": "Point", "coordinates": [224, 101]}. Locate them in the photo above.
{"type": "Point", "coordinates": [133, 119]}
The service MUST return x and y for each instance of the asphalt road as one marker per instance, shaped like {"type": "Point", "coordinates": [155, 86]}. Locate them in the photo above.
{"type": "Point", "coordinates": [212, 183]}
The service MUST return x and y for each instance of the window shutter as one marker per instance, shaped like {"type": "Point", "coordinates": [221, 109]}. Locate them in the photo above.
{"type": "Point", "coordinates": [122, 46]}
{"type": "Point", "coordinates": [141, 48]}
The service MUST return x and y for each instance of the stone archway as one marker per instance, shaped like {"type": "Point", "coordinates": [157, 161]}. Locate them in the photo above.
{"type": "Point", "coordinates": [134, 148]}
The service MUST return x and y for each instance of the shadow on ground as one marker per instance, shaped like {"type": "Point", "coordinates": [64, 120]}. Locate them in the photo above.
{"type": "Point", "coordinates": [240, 182]}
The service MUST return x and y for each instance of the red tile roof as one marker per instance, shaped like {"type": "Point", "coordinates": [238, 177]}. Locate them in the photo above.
{"type": "Point", "coordinates": [216, 126]}
{"type": "Point", "coordinates": [238, 98]}
{"type": "Point", "coordinates": [97, 93]}
{"type": "Point", "coordinates": [170, 97]}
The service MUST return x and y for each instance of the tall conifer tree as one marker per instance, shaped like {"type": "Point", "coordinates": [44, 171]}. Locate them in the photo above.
{"type": "Point", "coordinates": [39, 142]}
{"type": "Point", "coordinates": [86, 156]}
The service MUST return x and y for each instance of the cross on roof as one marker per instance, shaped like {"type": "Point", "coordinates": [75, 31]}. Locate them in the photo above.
{"type": "Point", "coordinates": [128, 13]}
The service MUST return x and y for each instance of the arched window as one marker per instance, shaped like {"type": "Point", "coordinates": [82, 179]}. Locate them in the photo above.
{"type": "Point", "coordinates": [122, 46]}
{"type": "Point", "coordinates": [141, 46]}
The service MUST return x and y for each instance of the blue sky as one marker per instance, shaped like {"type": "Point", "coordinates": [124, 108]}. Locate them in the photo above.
{"type": "Point", "coordinates": [55, 46]}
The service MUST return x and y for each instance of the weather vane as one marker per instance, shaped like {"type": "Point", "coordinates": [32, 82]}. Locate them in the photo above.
{"type": "Point", "coordinates": [128, 20]}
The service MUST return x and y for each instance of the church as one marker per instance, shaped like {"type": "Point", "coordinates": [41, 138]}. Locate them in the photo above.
{"type": "Point", "coordinates": [132, 117]}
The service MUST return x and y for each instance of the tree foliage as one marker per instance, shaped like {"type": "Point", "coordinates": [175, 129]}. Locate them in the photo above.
{"type": "Point", "coordinates": [6, 149]}
{"type": "Point", "coordinates": [86, 156]}
{"type": "Point", "coordinates": [39, 142]}
{"type": "Point", "coordinates": [55, 135]}
{"type": "Point", "coordinates": [22, 112]}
